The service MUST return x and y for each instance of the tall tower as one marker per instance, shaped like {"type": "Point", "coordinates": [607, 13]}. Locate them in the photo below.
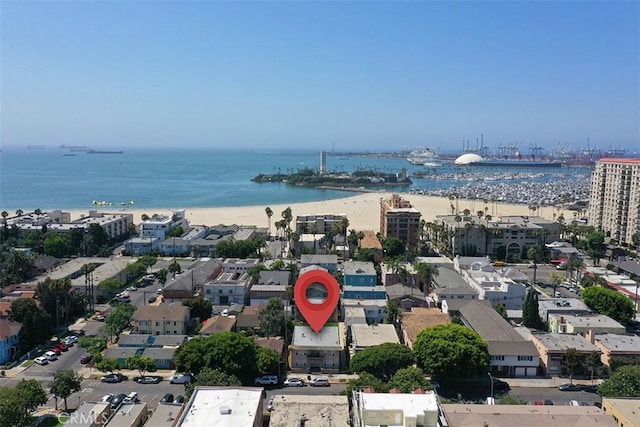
{"type": "Point", "coordinates": [323, 162]}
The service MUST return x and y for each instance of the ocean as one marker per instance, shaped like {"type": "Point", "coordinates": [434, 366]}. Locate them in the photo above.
{"type": "Point", "coordinates": [53, 178]}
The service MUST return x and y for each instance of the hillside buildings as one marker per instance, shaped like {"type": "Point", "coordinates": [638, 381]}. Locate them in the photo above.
{"type": "Point", "coordinates": [614, 206]}
{"type": "Point", "coordinates": [398, 218]}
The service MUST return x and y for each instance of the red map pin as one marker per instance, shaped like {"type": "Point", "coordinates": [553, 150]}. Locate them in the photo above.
{"type": "Point", "coordinates": [316, 314]}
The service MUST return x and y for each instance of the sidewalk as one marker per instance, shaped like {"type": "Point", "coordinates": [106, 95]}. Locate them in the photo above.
{"type": "Point", "coordinates": [552, 382]}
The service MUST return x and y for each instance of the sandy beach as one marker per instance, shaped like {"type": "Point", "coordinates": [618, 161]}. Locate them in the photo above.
{"type": "Point", "coordinates": [363, 210]}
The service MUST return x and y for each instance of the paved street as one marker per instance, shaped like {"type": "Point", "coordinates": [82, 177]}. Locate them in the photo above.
{"type": "Point", "coordinates": [558, 397]}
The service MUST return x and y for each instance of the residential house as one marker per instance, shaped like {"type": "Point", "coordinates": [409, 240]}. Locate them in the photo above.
{"type": "Point", "coordinates": [407, 296]}
{"type": "Point", "coordinates": [371, 409]}
{"type": "Point", "coordinates": [449, 285]}
{"type": "Point", "coordinates": [364, 292]}
{"type": "Point", "coordinates": [175, 246]}
{"type": "Point", "coordinates": [415, 321]}
{"type": "Point", "coordinates": [328, 262]}
{"type": "Point", "coordinates": [137, 246]}
{"type": "Point", "coordinates": [512, 355]}
{"type": "Point", "coordinates": [552, 349]}
{"type": "Point", "coordinates": [582, 324]}
{"type": "Point", "coordinates": [391, 276]}
{"type": "Point", "coordinates": [354, 316]}
{"type": "Point", "coordinates": [617, 348]}
{"type": "Point", "coordinates": [318, 352]}
{"type": "Point", "coordinates": [162, 356]}
{"type": "Point", "coordinates": [190, 282]}
{"type": "Point", "coordinates": [561, 251]}
{"type": "Point", "coordinates": [365, 336]}
{"type": "Point", "coordinates": [272, 284]}
{"type": "Point", "coordinates": [274, 344]}
{"type": "Point", "coordinates": [239, 265]}
{"type": "Point", "coordinates": [9, 339]}
{"type": "Point", "coordinates": [163, 319]}
{"type": "Point", "coordinates": [151, 341]}
{"type": "Point", "coordinates": [218, 324]}
{"type": "Point", "coordinates": [249, 321]}
{"type": "Point", "coordinates": [358, 273]}
{"type": "Point", "coordinates": [375, 310]}
{"type": "Point", "coordinates": [562, 306]}
{"type": "Point", "coordinates": [223, 406]}
{"type": "Point", "coordinates": [228, 288]}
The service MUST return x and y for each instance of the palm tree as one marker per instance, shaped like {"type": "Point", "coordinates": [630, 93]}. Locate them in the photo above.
{"type": "Point", "coordinates": [19, 212]}
{"type": "Point", "coordinates": [466, 212]}
{"type": "Point", "coordinates": [576, 264]}
{"type": "Point", "coordinates": [269, 213]}
{"type": "Point", "coordinates": [314, 231]}
{"type": "Point", "coordinates": [555, 279]}
{"type": "Point", "coordinates": [535, 254]}
{"type": "Point", "coordinates": [426, 274]}
{"type": "Point", "coordinates": [5, 214]}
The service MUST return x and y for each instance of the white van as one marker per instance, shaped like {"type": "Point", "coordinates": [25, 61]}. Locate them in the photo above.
{"type": "Point", "coordinates": [181, 379]}
{"type": "Point", "coordinates": [320, 382]}
{"type": "Point", "coordinates": [50, 355]}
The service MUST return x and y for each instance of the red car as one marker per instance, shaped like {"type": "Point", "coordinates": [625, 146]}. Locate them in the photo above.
{"type": "Point", "coordinates": [56, 350]}
{"type": "Point", "coordinates": [62, 346]}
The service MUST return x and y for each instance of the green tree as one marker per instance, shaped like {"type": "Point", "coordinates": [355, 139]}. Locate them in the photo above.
{"type": "Point", "coordinates": [382, 360]}
{"type": "Point", "coordinates": [118, 319]}
{"type": "Point", "coordinates": [213, 377]}
{"type": "Point", "coordinates": [276, 265]}
{"type": "Point", "coordinates": [175, 232]}
{"type": "Point", "coordinates": [502, 310]}
{"type": "Point", "coordinates": [147, 260]}
{"type": "Point", "coordinates": [56, 244]}
{"type": "Point", "coordinates": [272, 319]}
{"type": "Point", "coordinates": [625, 382]}
{"type": "Point", "coordinates": [555, 279]}
{"type": "Point", "coordinates": [201, 308]}
{"type": "Point", "coordinates": [65, 383]}
{"type": "Point", "coordinates": [107, 365]}
{"type": "Point", "coordinates": [36, 323]}
{"type": "Point", "coordinates": [254, 272]}
{"type": "Point", "coordinates": [142, 364]}
{"type": "Point", "coordinates": [18, 402]}
{"type": "Point", "coordinates": [534, 253]}
{"type": "Point", "coordinates": [162, 276]}
{"type": "Point", "coordinates": [595, 242]}
{"type": "Point", "coordinates": [175, 268]}
{"type": "Point", "coordinates": [269, 213]}
{"type": "Point", "coordinates": [110, 287]}
{"type": "Point", "coordinates": [229, 352]}
{"type": "Point", "coordinates": [54, 295]}
{"type": "Point", "coordinates": [609, 302]}
{"type": "Point", "coordinates": [451, 351]}
{"type": "Point", "coordinates": [426, 274]}
{"type": "Point", "coordinates": [409, 379]}
{"type": "Point", "coordinates": [393, 247]}
{"type": "Point", "coordinates": [267, 360]}
{"type": "Point", "coordinates": [366, 380]}
{"type": "Point", "coordinates": [572, 362]}
{"type": "Point", "coordinates": [530, 311]}
{"type": "Point", "coordinates": [393, 312]}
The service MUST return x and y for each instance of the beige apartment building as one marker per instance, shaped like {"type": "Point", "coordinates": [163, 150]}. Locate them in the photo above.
{"type": "Point", "coordinates": [614, 206]}
{"type": "Point", "coordinates": [398, 218]}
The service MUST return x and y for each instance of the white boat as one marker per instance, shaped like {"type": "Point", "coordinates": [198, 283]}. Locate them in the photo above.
{"type": "Point", "coordinates": [422, 157]}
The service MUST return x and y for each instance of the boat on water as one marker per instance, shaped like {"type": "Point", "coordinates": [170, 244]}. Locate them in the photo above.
{"type": "Point", "coordinates": [91, 151]}
{"type": "Point", "coordinates": [68, 155]}
{"type": "Point", "coordinates": [472, 159]}
{"type": "Point", "coordinates": [422, 157]}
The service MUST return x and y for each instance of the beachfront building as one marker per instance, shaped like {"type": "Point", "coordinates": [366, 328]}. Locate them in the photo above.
{"type": "Point", "coordinates": [228, 288]}
{"type": "Point", "coordinates": [321, 224]}
{"type": "Point", "coordinates": [137, 246]}
{"type": "Point", "coordinates": [398, 218]}
{"type": "Point", "coordinates": [481, 276]}
{"type": "Point", "coordinates": [615, 198]}
{"type": "Point", "coordinates": [505, 237]}
{"type": "Point", "coordinates": [512, 355]}
{"type": "Point", "coordinates": [318, 352]}
{"type": "Point", "coordinates": [175, 246]}
{"type": "Point", "coordinates": [116, 225]}
{"type": "Point", "coordinates": [159, 225]}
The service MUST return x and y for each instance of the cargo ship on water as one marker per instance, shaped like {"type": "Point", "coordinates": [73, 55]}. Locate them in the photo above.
{"type": "Point", "coordinates": [472, 159]}
{"type": "Point", "coordinates": [91, 151]}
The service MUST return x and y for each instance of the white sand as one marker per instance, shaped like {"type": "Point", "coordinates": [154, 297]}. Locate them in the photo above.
{"type": "Point", "coordinates": [363, 210]}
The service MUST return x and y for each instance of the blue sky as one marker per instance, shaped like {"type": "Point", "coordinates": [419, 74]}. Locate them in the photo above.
{"type": "Point", "coordinates": [362, 75]}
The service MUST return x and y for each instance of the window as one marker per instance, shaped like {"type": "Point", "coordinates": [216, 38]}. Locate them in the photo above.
{"type": "Point", "coordinates": [525, 358]}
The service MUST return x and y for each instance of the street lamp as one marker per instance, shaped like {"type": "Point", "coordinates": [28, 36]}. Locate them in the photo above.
{"type": "Point", "coordinates": [491, 378]}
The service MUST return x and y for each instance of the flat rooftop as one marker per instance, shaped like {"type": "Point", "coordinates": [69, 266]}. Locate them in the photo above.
{"type": "Point", "coordinates": [369, 335]}
{"type": "Point", "coordinates": [411, 405]}
{"type": "Point", "coordinates": [223, 407]}
{"type": "Point", "coordinates": [329, 336]}
{"type": "Point", "coordinates": [127, 414]}
{"type": "Point", "coordinates": [562, 342]}
{"type": "Point", "coordinates": [618, 343]}
{"type": "Point", "coordinates": [590, 321]}
{"type": "Point", "coordinates": [318, 411]}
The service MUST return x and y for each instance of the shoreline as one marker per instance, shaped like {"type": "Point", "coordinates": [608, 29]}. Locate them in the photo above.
{"type": "Point", "coordinates": [362, 210]}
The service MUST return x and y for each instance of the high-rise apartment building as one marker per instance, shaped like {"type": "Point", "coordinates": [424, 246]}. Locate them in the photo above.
{"type": "Point", "coordinates": [614, 205]}
{"type": "Point", "coordinates": [398, 218]}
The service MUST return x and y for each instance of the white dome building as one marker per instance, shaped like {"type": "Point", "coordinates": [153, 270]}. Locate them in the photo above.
{"type": "Point", "coordinates": [468, 158]}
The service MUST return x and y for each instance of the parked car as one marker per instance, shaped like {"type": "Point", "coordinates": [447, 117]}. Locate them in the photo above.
{"type": "Point", "coordinates": [574, 403]}
{"type": "Point", "coordinates": [100, 317]}
{"type": "Point", "coordinates": [569, 387]}
{"type": "Point", "coordinates": [159, 291]}
{"type": "Point", "coordinates": [266, 380]}
{"type": "Point", "coordinates": [179, 399]}
{"type": "Point", "coordinates": [590, 388]}
{"type": "Point", "coordinates": [113, 378]}
{"type": "Point", "coordinates": [149, 379]}
{"type": "Point", "coordinates": [294, 382]}
{"type": "Point", "coordinates": [152, 300]}
{"type": "Point", "coordinates": [548, 402]}
{"type": "Point", "coordinates": [131, 397]}
{"type": "Point", "coordinates": [181, 379]}
{"type": "Point", "coordinates": [132, 288]}
{"type": "Point", "coordinates": [62, 347]}
{"type": "Point", "coordinates": [107, 398]}
{"type": "Point", "coordinates": [320, 382]}
{"type": "Point", "coordinates": [56, 350]}
{"type": "Point", "coordinates": [41, 360]}
{"type": "Point", "coordinates": [50, 355]}
{"type": "Point", "coordinates": [117, 401]}
{"type": "Point", "coordinates": [499, 385]}
{"type": "Point", "coordinates": [86, 358]}
{"type": "Point", "coordinates": [167, 398]}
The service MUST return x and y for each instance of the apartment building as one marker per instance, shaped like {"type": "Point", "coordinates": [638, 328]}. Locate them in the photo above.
{"type": "Point", "coordinates": [614, 206]}
{"type": "Point", "coordinates": [163, 319]}
{"type": "Point", "coordinates": [228, 288]}
{"type": "Point", "coordinates": [398, 218]}
{"type": "Point", "coordinates": [318, 352]}
{"type": "Point", "coordinates": [319, 223]}
{"type": "Point", "coordinates": [159, 225]}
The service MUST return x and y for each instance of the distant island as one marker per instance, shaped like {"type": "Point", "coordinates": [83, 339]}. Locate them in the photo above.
{"type": "Point", "coordinates": [361, 178]}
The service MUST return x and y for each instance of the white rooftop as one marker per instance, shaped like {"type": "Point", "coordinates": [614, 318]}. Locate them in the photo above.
{"type": "Point", "coordinates": [304, 336]}
{"type": "Point", "coordinates": [371, 335]}
{"type": "Point", "coordinates": [222, 407]}
{"type": "Point", "coordinates": [411, 405]}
